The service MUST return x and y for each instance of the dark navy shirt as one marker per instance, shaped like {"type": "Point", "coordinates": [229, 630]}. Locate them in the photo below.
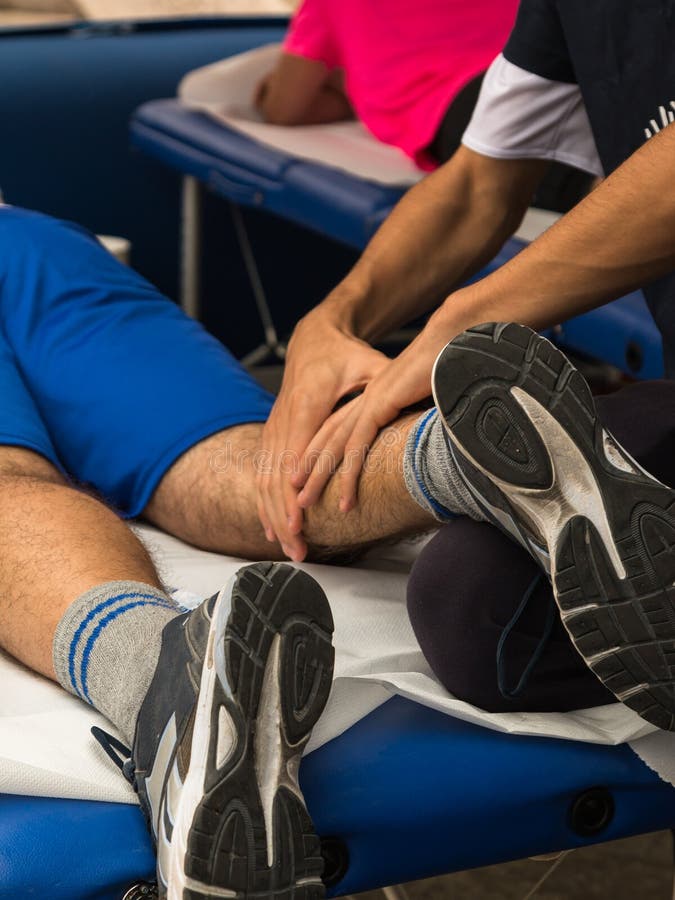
{"type": "Point", "coordinates": [618, 58]}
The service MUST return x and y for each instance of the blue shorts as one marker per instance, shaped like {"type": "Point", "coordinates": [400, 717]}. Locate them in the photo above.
{"type": "Point", "coordinates": [99, 372]}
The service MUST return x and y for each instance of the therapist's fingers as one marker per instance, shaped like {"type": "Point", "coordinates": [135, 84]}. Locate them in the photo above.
{"type": "Point", "coordinates": [325, 453]}
{"type": "Point", "coordinates": [281, 524]}
{"type": "Point", "coordinates": [280, 497]}
{"type": "Point", "coordinates": [356, 451]}
{"type": "Point", "coordinates": [279, 500]}
{"type": "Point", "coordinates": [290, 515]}
{"type": "Point", "coordinates": [377, 410]}
{"type": "Point", "coordinates": [264, 521]}
{"type": "Point", "coordinates": [317, 447]}
{"type": "Point", "coordinates": [261, 505]}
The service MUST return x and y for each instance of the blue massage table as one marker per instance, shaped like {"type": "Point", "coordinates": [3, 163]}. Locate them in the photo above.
{"type": "Point", "coordinates": [212, 156]}
{"type": "Point", "coordinates": [406, 793]}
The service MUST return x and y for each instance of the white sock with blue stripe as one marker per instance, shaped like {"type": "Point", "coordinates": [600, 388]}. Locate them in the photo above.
{"type": "Point", "coordinates": [107, 644]}
{"type": "Point", "coordinates": [431, 474]}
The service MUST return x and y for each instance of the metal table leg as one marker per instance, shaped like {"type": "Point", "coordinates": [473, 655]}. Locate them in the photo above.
{"type": "Point", "coordinates": [272, 349]}
{"type": "Point", "coordinates": [191, 247]}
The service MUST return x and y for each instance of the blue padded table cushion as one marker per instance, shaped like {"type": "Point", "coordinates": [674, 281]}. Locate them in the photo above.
{"type": "Point", "coordinates": [251, 174]}
{"type": "Point", "coordinates": [71, 849]}
{"type": "Point", "coordinates": [414, 792]}
{"type": "Point", "coordinates": [623, 334]}
{"type": "Point", "coordinates": [408, 792]}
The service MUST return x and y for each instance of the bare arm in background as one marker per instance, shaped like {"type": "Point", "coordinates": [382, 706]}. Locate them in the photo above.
{"type": "Point", "coordinates": [301, 91]}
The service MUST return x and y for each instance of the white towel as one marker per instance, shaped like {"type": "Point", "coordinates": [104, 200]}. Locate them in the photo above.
{"type": "Point", "coordinates": [46, 748]}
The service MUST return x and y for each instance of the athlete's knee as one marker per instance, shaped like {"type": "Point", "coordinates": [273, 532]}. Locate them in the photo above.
{"type": "Point", "coordinates": [444, 592]}
{"type": "Point", "coordinates": [461, 593]}
{"type": "Point", "coordinates": [19, 462]}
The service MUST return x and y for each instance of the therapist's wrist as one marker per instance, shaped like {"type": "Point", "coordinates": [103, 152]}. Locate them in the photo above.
{"type": "Point", "coordinates": [321, 326]}
{"type": "Point", "coordinates": [464, 308]}
{"type": "Point", "coordinates": [450, 318]}
{"type": "Point", "coordinates": [341, 310]}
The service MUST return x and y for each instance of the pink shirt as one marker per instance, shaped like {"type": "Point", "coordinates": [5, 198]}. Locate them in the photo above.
{"type": "Point", "coordinates": [404, 60]}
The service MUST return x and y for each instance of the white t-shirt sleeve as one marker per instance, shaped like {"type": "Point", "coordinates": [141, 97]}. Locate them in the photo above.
{"type": "Point", "coordinates": [520, 115]}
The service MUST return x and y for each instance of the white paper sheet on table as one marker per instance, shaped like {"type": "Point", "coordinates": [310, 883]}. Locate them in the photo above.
{"type": "Point", "coordinates": [45, 743]}
{"type": "Point", "coordinates": [224, 91]}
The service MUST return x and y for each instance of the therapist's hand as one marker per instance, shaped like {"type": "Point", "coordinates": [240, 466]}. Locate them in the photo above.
{"type": "Point", "coordinates": [324, 364]}
{"type": "Point", "coordinates": [349, 433]}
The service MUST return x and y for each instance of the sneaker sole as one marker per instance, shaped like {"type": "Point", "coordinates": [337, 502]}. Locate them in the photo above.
{"type": "Point", "coordinates": [242, 829]}
{"type": "Point", "coordinates": [529, 445]}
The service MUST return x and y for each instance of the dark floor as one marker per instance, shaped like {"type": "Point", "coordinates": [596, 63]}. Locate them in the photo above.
{"type": "Point", "coordinates": [634, 869]}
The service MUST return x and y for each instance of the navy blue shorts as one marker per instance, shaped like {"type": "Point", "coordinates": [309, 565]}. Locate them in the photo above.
{"type": "Point", "coordinates": [99, 372]}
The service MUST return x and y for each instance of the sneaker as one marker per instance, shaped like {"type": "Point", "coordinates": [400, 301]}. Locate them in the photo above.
{"type": "Point", "coordinates": [526, 438]}
{"type": "Point", "coordinates": [239, 685]}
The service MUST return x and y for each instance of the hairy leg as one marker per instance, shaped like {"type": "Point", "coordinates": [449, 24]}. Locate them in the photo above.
{"type": "Point", "coordinates": [208, 498]}
{"type": "Point", "coordinates": [385, 509]}
{"type": "Point", "coordinates": [56, 543]}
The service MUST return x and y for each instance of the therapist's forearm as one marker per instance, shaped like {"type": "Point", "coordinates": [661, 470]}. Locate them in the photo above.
{"type": "Point", "coordinates": [442, 231]}
{"type": "Point", "coordinates": [622, 236]}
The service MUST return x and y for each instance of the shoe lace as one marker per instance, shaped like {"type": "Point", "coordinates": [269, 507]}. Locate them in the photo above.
{"type": "Point", "coordinates": [113, 748]}
{"type": "Point", "coordinates": [507, 692]}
